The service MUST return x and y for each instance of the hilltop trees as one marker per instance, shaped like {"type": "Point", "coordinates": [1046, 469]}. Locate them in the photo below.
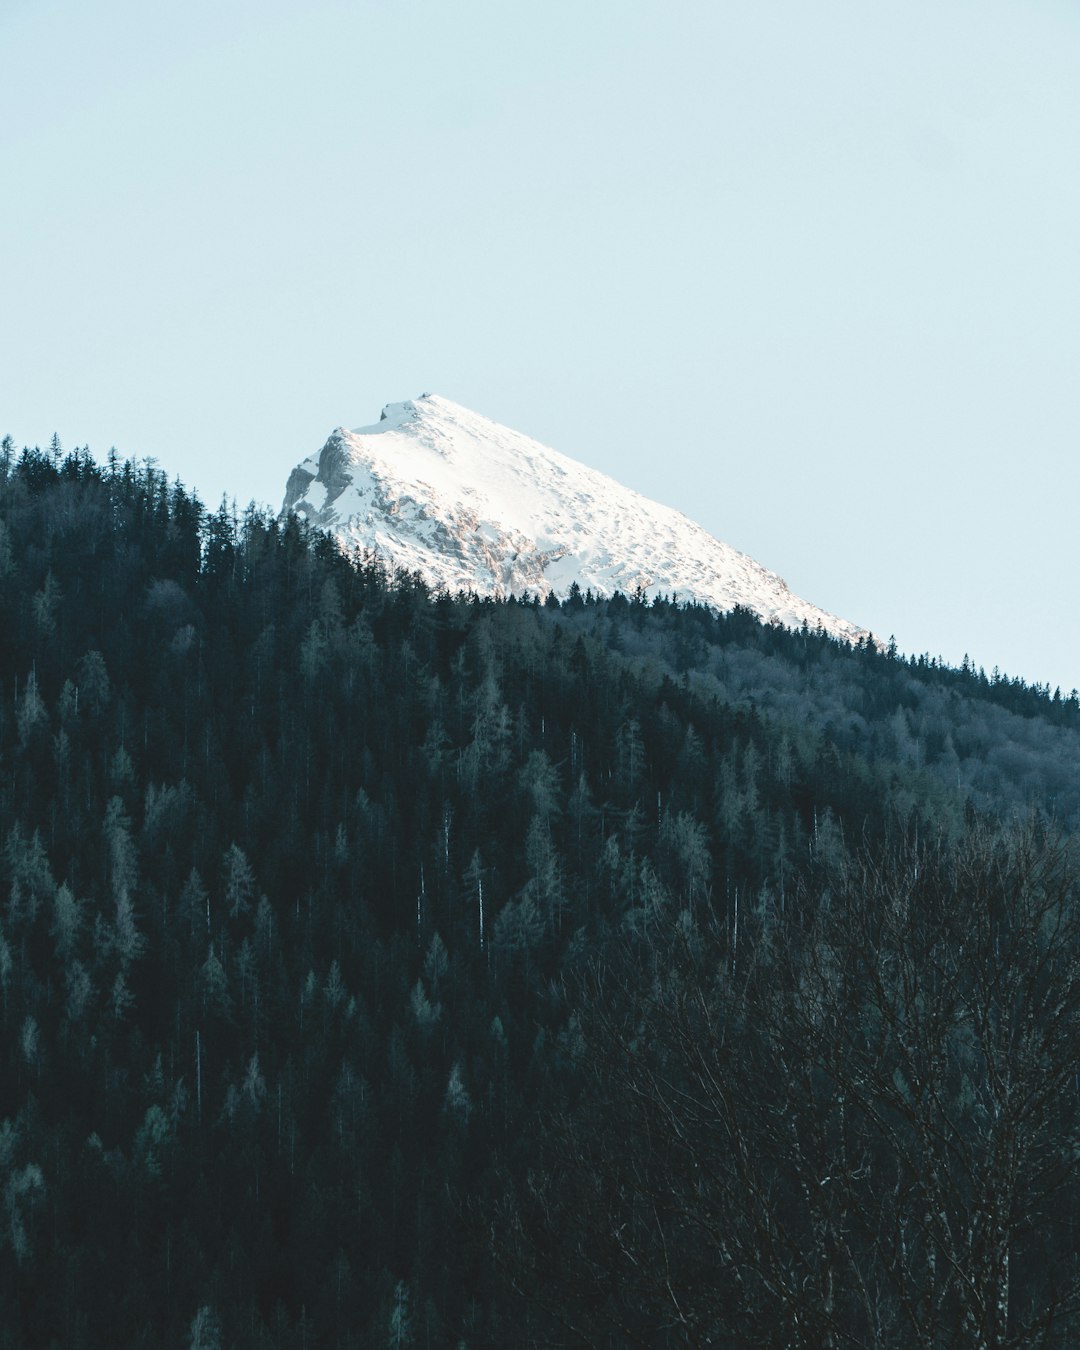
{"type": "Point", "coordinates": [300, 868]}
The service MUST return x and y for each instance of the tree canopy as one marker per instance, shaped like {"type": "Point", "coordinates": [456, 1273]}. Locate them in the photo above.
{"type": "Point", "coordinates": [333, 913]}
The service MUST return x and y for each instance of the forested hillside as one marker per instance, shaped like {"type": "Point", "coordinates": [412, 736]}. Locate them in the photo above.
{"type": "Point", "coordinates": [388, 968]}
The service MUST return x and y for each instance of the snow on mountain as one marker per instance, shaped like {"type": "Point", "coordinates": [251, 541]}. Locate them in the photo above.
{"type": "Point", "coordinates": [472, 505]}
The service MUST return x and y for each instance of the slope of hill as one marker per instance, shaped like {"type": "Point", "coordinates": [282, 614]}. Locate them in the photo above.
{"type": "Point", "coordinates": [303, 873]}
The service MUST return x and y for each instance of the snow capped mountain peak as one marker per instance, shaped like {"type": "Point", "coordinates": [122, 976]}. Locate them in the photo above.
{"type": "Point", "coordinates": [472, 505]}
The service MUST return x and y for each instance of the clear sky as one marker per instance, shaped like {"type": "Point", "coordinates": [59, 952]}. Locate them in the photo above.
{"type": "Point", "coordinates": [809, 272]}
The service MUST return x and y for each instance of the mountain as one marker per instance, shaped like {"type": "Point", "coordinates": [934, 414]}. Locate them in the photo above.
{"type": "Point", "coordinates": [472, 505]}
{"type": "Point", "coordinates": [331, 912]}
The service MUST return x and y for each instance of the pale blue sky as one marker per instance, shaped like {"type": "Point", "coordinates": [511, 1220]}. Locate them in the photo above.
{"type": "Point", "coordinates": [810, 273]}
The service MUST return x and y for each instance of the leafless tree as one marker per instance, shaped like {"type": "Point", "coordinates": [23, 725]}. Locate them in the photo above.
{"type": "Point", "coordinates": [865, 1135]}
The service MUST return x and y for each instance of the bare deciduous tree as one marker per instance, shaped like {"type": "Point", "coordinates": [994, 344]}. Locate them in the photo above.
{"type": "Point", "coordinates": [867, 1136]}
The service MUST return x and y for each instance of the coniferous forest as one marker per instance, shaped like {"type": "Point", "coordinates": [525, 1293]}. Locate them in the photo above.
{"type": "Point", "coordinates": [383, 968]}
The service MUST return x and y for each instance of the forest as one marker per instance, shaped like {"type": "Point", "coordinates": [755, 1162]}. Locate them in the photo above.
{"type": "Point", "coordinates": [389, 968]}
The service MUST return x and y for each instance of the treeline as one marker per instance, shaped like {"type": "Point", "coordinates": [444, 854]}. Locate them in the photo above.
{"type": "Point", "coordinates": [305, 870]}
{"type": "Point", "coordinates": [1002, 743]}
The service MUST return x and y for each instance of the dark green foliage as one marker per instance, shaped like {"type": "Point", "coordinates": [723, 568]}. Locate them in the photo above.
{"type": "Point", "coordinates": [300, 861]}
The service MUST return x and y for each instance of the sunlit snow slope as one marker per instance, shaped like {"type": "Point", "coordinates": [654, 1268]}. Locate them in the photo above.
{"type": "Point", "coordinates": [472, 505]}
